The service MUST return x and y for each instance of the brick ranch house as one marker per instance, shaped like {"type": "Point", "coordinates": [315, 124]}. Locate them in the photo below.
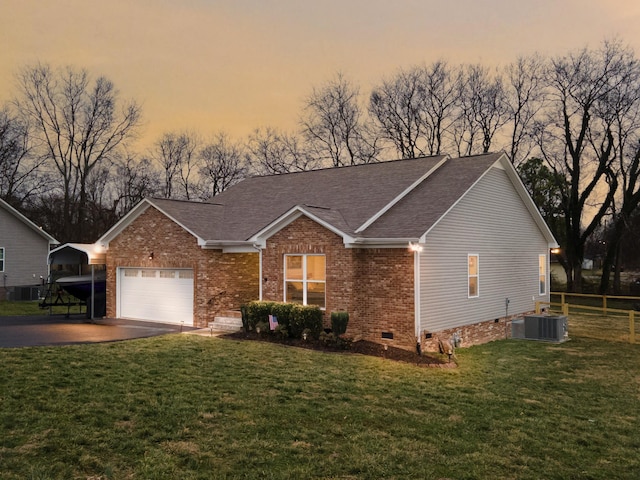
{"type": "Point", "coordinates": [415, 250]}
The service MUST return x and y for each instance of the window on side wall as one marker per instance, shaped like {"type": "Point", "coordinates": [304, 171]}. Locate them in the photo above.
{"type": "Point", "coordinates": [542, 273]}
{"type": "Point", "coordinates": [473, 275]}
{"type": "Point", "coordinates": [1, 259]}
{"type": "Point", "coordinates": [305, 279]}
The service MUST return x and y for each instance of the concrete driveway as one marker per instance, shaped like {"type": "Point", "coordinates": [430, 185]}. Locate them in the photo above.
{"type": "Point", "coordinates": [59, 330]}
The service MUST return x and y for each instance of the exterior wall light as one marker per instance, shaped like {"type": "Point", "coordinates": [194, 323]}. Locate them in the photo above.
{"type": "Point", "coordinates": [151, 256]}
{"type": "Point", "coordinates": [415, 247]}
{"type": "Point", "coordinates": [555, 251]}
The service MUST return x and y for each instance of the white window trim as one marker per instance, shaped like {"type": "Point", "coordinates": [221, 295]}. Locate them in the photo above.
{"type": "Point", "coordinates": [304, 279]}
{"type": "Point", "coordinates": [3, 260]}
{"type": "Point", "coordinates": [542, 261]}
{"type": "Point", "coordinates": [476, 276]}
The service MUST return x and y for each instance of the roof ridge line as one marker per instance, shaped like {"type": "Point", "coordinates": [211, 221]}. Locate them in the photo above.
{"type": "Point", "coordinates": [403, 194]}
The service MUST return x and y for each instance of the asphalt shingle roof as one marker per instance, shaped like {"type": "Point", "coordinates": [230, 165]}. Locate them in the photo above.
{"type": "Point", "coordinates": [345, 197]}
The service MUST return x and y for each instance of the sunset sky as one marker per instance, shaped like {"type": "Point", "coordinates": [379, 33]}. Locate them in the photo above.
{"type": "Point", "coordinates": [234, 65]}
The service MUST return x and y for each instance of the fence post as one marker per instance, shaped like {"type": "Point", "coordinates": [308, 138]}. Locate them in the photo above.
{"type": "Point", "coordinates": [562, 298]}
{"type": "Point", "coordinates": [604, 305]}
{"type": "Point", "coordinates": [632, 327]}
{"type": "Point", "coordinates": [537, 307]}
{"type": "Point", "coordinates": [565, 309]}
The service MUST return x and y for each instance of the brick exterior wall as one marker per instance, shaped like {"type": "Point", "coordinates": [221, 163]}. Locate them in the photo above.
{"type": "Point", "coordinates": [222, 281]}
{"type": "Point", "coordinates": [474, 334]}
{"type": "Point", "coordinates": [374, 285]}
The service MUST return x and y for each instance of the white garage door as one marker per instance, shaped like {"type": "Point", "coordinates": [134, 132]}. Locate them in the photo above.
{"type": "Point", "coordinates": [156, 295]}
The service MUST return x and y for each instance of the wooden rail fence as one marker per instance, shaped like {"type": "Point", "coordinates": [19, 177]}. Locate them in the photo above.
{"type": "Point", "coordinates": [565, 307]}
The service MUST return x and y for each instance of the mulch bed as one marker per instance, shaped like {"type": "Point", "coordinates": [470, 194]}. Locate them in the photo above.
{"type": "Point", "coordinates": [361, 347]}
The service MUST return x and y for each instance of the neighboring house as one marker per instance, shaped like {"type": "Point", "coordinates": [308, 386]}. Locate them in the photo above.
{"type": "Point", "coordinates": [23, 255]}
{"type": "Point", "coordinates": [415, 250]}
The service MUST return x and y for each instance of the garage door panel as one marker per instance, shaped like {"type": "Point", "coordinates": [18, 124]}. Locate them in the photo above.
{"type": "Point", "coordinates": [161, 295]}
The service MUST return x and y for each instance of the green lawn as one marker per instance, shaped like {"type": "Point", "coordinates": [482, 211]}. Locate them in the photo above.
{"type": "Point", "coordinates": [185, 407]}
{"type": "Point", "coordinates": [11, 309]}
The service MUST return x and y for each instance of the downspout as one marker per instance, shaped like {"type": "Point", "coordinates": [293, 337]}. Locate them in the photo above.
{"type": "Point", "coordinates": [416, 293]}
{"type": "Point", "coordinates": [93, 291]}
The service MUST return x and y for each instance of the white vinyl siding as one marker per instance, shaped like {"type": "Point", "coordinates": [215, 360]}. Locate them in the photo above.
{"type": "Point", "coordinates": [492, 222]}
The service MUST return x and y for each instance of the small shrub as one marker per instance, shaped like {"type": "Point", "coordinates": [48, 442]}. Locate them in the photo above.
{"type": "Point", "coordinates": [284, 313]}
{"type": "Point", "coordinates": [262, 328]}
{"type": "Point", "coordinates": [281, 331]}
{"type": "Point", "coordinates": [245, 318]}
{"type": "Point", "coordinates": [306, 317]}
{"type": "Point", "coordinates": [258, 312]}
{"type": "Point", "coordinates": [306, 334]}
{"type": "Point", "coordinates": [339, 321]}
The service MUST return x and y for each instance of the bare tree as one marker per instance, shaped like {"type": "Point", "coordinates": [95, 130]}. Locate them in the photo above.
{"type": "Point", "coordinates": [414, 109]}
{"type": "Point", "coordinates": [579, 142]}
{"type": "Point", "coordinates": [524, 101]}
{"type": "Point", "coordinates": [176, 154]}
{"type": "Point", "coordinates": [333, 125]}
{"type": "Point", "coordinates": [271, 152]}
{"type": "Point", "coordinates": [133, 180]}
{"type": "Point", "coordinates": [77, 125]}
{"type": "Point", "coordinates": [20, 175]}
{"type": "Point", "coordinates": [622, 105]}
{"type": "Point", "coordinates": [398, 107]}
{"type": "Point", "coordinates": [222, 165]}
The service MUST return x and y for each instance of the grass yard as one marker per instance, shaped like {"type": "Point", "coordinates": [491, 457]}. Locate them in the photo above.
{"type": "Point", "coordinates": [11, 309]}
{"type": "Point", "coordinates": [189, 407]}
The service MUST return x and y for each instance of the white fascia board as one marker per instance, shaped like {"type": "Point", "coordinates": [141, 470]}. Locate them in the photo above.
{"type": "Point", "coordinates": [388, 206]}
{"type": "Point", "coordinates": [29, 223]}
{"type": "Point", "coordinates": [382, 242]}
{"type": "Point", "coordinates": [296, 212]}
{"type": "Point", "coordinates": [230, 246]}
{"type": "Point", "coordinates": [528, 201]}
{"type": "Point", "coordinates": [134, 213]}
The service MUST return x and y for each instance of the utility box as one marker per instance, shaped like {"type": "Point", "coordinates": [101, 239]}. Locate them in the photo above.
{"type": "Point", "coordinates": [550, 328]}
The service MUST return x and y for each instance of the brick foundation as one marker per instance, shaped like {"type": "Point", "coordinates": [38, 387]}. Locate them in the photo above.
{"type": "Point", "coordinates": [474, 334]}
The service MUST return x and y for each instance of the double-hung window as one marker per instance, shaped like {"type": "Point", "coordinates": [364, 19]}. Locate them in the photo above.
{"type": "Point", "coordinates": [542, 273]}
{"type": "Point", "coordinates": [473, 275]}
{"type": "Point", "coordinates": [1, 259]}
{"type": "Point", "coordinates": [305, 279]}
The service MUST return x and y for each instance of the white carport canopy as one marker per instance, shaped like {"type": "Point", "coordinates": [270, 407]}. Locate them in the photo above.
{"type": "Point", "coordinates": [79, 254]}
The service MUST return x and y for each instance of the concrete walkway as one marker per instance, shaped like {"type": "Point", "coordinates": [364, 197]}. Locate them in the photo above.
{"type": "Point", "coordinates": [77, 329]}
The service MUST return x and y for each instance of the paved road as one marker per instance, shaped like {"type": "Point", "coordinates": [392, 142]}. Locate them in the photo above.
{"type": "Point", "coordinates": [58, 330]}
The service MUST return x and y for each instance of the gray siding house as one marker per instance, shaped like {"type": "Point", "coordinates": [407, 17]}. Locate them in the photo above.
{"type": "Point", "coordinates": [23, 254]}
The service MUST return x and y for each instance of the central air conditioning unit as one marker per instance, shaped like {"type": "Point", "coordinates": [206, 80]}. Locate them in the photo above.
{"type": "Point", "coordinates": [549, 328]}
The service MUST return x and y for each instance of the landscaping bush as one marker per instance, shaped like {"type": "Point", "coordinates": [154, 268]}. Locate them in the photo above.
{"type": "Point", "coordinates": [292, 318]}
{"type": "Point", "coordinates": [284, 312]}
{"type": "Point", "coordinates": [339, 321]}
{"type": "Point", "coordinates": [306, 317]}
{"type": "Point", "coordinates": [262, 328]}
{"type": "Point", "coordinates": [258, 312]}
